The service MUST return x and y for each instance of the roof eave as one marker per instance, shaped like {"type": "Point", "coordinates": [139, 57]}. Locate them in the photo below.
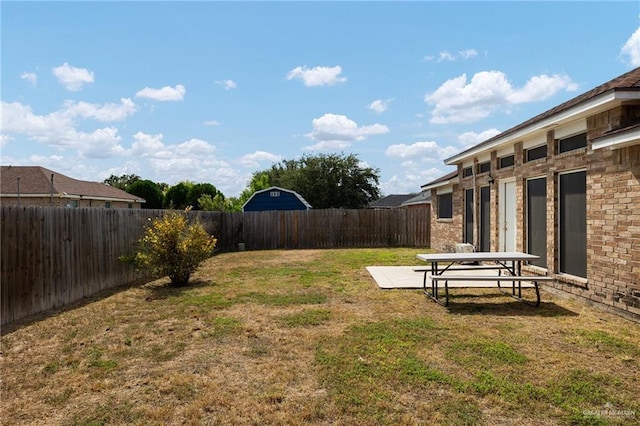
{"type": "Point", "coordinates": [588, 107]}
{"type": "Point", "coordinates": [75, 197]}
{"type": "Point", "coordinates": [440, 184]}
{"type": "Point", "coordinates": [618, 141]}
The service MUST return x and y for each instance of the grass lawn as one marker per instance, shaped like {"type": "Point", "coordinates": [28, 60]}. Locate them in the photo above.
{"type": "Point", "coordinates": [306, 337]}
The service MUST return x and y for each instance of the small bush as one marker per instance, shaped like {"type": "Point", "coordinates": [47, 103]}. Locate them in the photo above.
{"type": "Point", "coordinates": [173, 247]}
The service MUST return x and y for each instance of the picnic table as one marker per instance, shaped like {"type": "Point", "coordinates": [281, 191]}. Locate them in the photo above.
{"type": "Point", "coordinates": [444, 265]}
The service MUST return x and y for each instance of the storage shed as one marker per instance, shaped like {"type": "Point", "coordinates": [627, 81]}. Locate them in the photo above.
{"type": "Point", "coordinates": [275, 198]}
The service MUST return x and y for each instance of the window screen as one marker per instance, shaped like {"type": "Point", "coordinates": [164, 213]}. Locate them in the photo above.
{"type": "Point", "coordinates": [574, 142]}
{"type": "Point", "coordinates": [536, 153]}
{"type": "Point", "coordinates": [506, 161]}
{"type": "Point", "coordinates": [445, 206]}
{"type": "Point", "coordinates": [485, 219]}
{"type": "Point", "coordinates": [573, 223]}
{"type": "Point", "coordinates": [537, 220]}
{"type": "Point", "coordinates": [467, 171]}
{"type": "Point", "coordinates": [468, 216]}
{"type": "Point", "coordinates": [484, 167]}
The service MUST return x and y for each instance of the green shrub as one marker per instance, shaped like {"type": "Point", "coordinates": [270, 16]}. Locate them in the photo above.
{"type": "Point", "coordinates": [171, 246]}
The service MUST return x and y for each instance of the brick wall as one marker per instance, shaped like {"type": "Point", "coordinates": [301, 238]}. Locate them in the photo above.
{"type": "Point", "coordinates": [446, 233]}
{"type": "Point", "coordinates": [613, 213]}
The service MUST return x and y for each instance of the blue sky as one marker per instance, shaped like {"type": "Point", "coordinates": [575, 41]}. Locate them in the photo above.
{"type": "Point", "coordinates": [213, 91]}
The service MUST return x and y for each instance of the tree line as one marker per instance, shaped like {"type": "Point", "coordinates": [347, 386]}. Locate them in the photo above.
{"type": "Point", "coordinates": [324, 180]}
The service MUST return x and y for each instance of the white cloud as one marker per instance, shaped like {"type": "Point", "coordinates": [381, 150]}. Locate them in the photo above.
{"type": "Point", "coordinates": [445, 55]}
{"type": "Point", "coordinates": [631, 49]}
{"type": "Point", "coordinates": [106, 112]}
{"type": "Point", "coordinates": [58, 129]}
{"type": "Point", "coordinates": [254, 159]}
{"type": "Point", "coordinates": [4, 140]}
{"type": "Point", "coordinates": [541, 87]}
{"type": "Point", "coordinates": [410, 180]}
{"type": "Point", "coordinates": [469, 139]}
{"type": "Point", "coordinates": [379, 105]}
{"type": "Point", "coordinates": [145, 145]}
{"type": "Point", "coordinates": [101, 143]}
{"type": "Point", "coordinates": [167, 93]}
{"type": "Point", "coordinates": [317, 76]}
{"type": "Point", "coordinates": [459, 100]}
{"type": "Point", "coordinates": [333, 130]}
{"type": "Point", "coordinates": [72, 78]}
{"type": "Point", "coordinates": [420, 151]}
{"type": "Point", "coordinates": [194, 160]}
{"type": "Point", "coordinates": [19, 118]}
{"type": "Point", "coordinates": [327, 146]}
{"type": "Point", "coordinates": [468, 54]}
{"type": "Point", "coordinates": [211, 123]}
{"type": "Point", "coordinates": [227, 84]}
{"type": "Point", "coordinates": [31, 77]}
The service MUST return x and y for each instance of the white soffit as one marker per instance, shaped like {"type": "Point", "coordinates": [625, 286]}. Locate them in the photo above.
{"type": "Point", "coordinates": [505, 151]}
{"type": "Point", "coordinates": [537, 141]}
{"type": "Point", "coordinates": [572, 129]}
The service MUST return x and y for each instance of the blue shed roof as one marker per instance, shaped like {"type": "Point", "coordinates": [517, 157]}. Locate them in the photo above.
{"type": "Point", "coordinates": [265, 200]}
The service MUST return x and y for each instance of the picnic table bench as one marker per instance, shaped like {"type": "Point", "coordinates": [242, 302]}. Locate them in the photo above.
{"type": "Point", "coordinates": [507, 264]}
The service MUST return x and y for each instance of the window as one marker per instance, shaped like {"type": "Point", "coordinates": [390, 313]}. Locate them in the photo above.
{"type": "Point", "coordinates": [571, 143]}
{"type": "Point", "coordinates": [107, 204]}
{"type": "Point", "coordinates": [537, 220]}
{"type": "Point", "coordinates": [130, 205]}
{"type": "Point", "coordinates": [573, 223]}
{"type": "Point", "coordinates": [485, 219]}
{"type": "Point", "coordinates": [507, 161]}
{"type": "Point", "coordinates": [484, 167]}
{"type": "Point", "coordinates": [467, 171]}
{"type": "Point", "coordinates": [536, 153]}
{"type": "Point", "coordinates": [274, 193]}
{"type": "Point", "coordinates": [72, 203]}
{"type": "Point", "coordinates": [468, 216]}
{"type": "Point", "coordinates": [445, 206]}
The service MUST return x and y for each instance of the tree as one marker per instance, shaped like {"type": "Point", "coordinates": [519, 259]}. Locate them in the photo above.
{"type": "Point", "coordinates": [326, 180]}
{"type": "Point", "coordinates": [258, 182]}
{"type": "Point", "coordinates": [177, 196]}
{"type": "Point", "coordinates": [148, 190]}
{"type": "Point", "coordinates": [122, 182]}
{"type": "Point", "coordinates": [217, 203]}
{"type": "Point", "coordinates": [197, 191]}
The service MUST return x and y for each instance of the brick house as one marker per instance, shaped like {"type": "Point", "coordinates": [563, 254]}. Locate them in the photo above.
{"type": "Point", "coordinates": [37, 186]}
{"type": "Point", "coordinates": [564, 185]}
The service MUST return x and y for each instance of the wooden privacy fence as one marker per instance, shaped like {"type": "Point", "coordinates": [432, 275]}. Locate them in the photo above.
{"type": "Point", "coordinates": [306, 229]}
{"type": "Point", "coordinates": [51, 257]}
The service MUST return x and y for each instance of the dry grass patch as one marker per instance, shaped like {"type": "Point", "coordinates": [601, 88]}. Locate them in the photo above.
{"type": "Point", "coordinates": [306, 337]}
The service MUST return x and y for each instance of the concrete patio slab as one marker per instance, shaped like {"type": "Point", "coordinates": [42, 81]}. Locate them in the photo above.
{"type": "Point", "coordinates": [389, 277]}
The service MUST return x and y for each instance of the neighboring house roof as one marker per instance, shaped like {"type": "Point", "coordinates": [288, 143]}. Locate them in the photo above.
{"type": "Point", "coordinates": [422, 198]}
{"type": "Point", "coordinates": [35, 181]}
{"type": "Point", "coordinates": [277, 188]}
{"type": "Point", "coordinates": [390, 201]}
{"type": "Point", "coordinates": [622, 88]}
{"type": "Point", "coordinates": [448, 179]}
